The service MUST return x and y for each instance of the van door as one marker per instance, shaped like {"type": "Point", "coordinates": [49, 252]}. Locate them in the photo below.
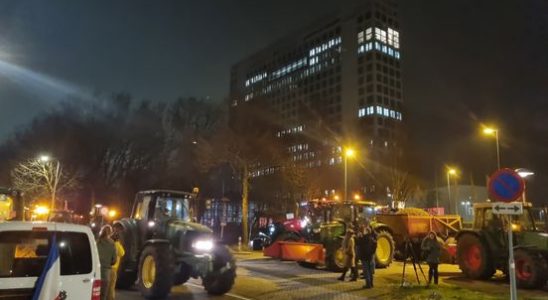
{"type": "Point", "coordinates": [77, 274]}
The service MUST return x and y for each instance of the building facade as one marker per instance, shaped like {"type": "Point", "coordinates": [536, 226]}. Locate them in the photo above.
{"type": "Point", "coordinates": [334, 84]}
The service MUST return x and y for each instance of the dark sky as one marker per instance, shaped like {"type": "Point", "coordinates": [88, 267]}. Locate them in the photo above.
{"type": "Point", "coordinates": [464, 62]}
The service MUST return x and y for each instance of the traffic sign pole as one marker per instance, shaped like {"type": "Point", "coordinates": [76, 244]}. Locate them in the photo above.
{"type": "Point", "coordinates": [511, 263]}
{"type": "Point", "coordinates": [507, 186]}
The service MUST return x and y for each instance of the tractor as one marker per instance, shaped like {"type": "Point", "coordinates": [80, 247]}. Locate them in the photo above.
{"type": "Point", "coordinates": [329, 221]}
{"type": "Point", "coordinates": [164, 247]}
{"type": "Point", "coordinates": [484, 249]}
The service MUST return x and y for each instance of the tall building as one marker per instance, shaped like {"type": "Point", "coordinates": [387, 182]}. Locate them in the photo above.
{"type": "Point", "coordinates": [335, 83]}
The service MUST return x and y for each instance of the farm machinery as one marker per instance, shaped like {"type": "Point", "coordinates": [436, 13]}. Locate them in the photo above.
{"type": "Point", "coordinates": [484, 249]}
{"type": "Point", "coordinates": [319, 241]}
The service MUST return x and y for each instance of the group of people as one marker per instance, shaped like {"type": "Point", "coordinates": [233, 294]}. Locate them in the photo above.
{"type": "Point", "coordinates": [363, 245]}
{"type": "Point", "coordinates": [110, 253]}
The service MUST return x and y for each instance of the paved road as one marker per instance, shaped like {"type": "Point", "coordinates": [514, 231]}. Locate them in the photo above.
{"type": "Point", "coordinates": [260, 278]}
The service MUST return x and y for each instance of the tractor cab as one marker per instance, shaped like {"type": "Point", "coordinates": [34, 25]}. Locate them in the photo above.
{"type": "Point", "coordinates": [153, 210]}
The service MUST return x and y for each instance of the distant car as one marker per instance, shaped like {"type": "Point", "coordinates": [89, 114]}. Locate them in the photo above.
{"type": "Point", "coordinates": [24, 248]}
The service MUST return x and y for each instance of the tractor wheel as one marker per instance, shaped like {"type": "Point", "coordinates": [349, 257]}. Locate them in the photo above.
{"type": "Point", "coordinates": [335, 260]}
{"type": "Point", "coordinates": [182, 276]}
{"type": "Point", "coordinates": [221, 279]}
{"type": "Point", "coordinates": [473, 257]}
{"type": "Point", "coordinates": [126, 279]}
{"type": "Point", "coordinates": [530, 269]}
{"type": "Point", "coordinates": [155, 272]}
{"type": "Point", "coordinates": [385, 249]}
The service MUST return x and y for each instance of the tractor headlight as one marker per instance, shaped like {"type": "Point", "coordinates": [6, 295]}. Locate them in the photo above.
{"type": "Point", "coordinates": [203, 245]}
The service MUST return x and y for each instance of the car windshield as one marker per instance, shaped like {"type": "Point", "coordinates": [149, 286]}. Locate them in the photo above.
{"type": "Point", "coordinates": [24, 253]}
{"type": "Point", "coordinates": [172, 207]}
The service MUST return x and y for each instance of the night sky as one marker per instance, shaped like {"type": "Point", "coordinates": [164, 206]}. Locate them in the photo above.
{"type": "Point", "coordinates": [464, 63]}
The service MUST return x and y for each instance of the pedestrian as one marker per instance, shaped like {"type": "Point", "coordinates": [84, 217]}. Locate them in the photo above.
{"type": "Point", "coordinates": [107, 258]}
{"type": "Point", "coordinates": [367, 246]}
{"type": "Point", "coordinates": [431, 248]}
{"type": "Point", "coordinates": [120, 252]}
{"type": "Point", "coordinates": [348, 246]}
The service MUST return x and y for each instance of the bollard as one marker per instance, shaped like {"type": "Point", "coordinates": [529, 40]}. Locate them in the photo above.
{"type": "Point", "coordinates": [240, 243]}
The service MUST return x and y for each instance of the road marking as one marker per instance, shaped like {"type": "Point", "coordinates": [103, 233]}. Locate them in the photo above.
{"type": "Point", "coordinates": [227, 294]}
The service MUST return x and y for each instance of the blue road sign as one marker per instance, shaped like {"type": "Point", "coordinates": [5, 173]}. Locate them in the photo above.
{"type": "Point", "coordinates": [506, 185]}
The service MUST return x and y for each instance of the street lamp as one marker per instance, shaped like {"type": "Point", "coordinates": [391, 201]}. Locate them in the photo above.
{"type": "Point", "coordinates": [348, 152]}
{"type": "Point", "coordinates": [524, 173]}
{"type": "Point", "coordinates": [450, 172]}
{"type": "Point", "coordinates": [494, 132]}
{"type": "Point", "coordinates": [47, 159]}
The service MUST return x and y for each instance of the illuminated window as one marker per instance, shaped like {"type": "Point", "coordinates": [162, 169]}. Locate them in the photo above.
{"type": "Point", "coordinates": [368, 34]}
{"type": "Point", "coordinates": [360, 37]}
{"type": "Point", "coordinates": [380, 35]}
{"type": "Point", "coordinates": [393, 38]}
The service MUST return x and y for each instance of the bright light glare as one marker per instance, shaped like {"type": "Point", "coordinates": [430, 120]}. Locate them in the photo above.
{"type": "Point", "coordinates": [151, 224]}
{"type": "Point", "coordinates": [357, 197]}
{"type": "Point", "coordinates": [44, 158]}
{"type": "Point", "coordinates": [489, 130]}
{"type": "Point", "coordinates": [523, 173]}
{"type": "Point", "coordinates": [203, 245]}
{"type": "Point", "coordinates": [112, 213]}
{"type": "Point", "coordinates": [349, 152]}
{"type": "Point", "coordinates": [452, 171]}
{"type": "Point", "coordinates": [41, 210]}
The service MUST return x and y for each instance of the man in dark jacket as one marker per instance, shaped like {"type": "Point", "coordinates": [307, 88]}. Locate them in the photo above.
{"type": "Point", "coordinates": [107, 258]}
{"type": "Point", "coordinates": [431, 248]}
{"type": "Point", "coordinates": [367, 246]}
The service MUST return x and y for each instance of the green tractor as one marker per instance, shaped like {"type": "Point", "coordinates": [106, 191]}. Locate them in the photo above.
{"type": "Point", "coordinates": [165, 248]}
{"type": "Point", "coordinates": [484, 249]}
{"type": "Point", "coordinates": [329, 221]}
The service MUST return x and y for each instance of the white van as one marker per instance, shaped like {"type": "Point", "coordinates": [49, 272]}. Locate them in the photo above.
{"type": "Point", "coordinates": [24, 248]}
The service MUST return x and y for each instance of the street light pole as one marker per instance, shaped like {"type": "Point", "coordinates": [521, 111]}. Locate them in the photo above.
{"type": "Point", "coordinates": [348, 152]}
{"type": "Point", "coordinates": [495, 132]}
{"type": "Point", "coordinates": [345, 178]}
{"type": "Point", "coordinates": [55, 183]}
{"type": "Point", "coordinates": [498, 148]}
{"type": "Point", "coordinates": [449, 189]}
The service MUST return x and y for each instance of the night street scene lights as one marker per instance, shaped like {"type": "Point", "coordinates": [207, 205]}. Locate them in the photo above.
{"type": "Point", "coordinates": [451, 172]}
{"type": "Point", "coordinates": [494, 132]}
{"type": "Point", "coordinates": [348, 153]}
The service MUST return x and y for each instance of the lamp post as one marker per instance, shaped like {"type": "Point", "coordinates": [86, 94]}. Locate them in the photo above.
{"type": "Point", "coordinates": [348, 152]}
{"type": "Point", "coordinates": [494, 132]}
{"type": "Point", "coordinates": [47, 159]}
{"type": "Point", "coordinates": [450, 172]}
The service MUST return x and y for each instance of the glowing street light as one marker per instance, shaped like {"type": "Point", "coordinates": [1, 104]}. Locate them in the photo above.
{"type": "Point", "coordinates": [348, 152]}
{"type": "Point", "coordinates": [357, 197]}
{"type": "Point", "coordinates": [112, 213]}
{"type": "Point", "coordinates": [44, 158]}
{"type": "Point", "coordinates": [494, 132]}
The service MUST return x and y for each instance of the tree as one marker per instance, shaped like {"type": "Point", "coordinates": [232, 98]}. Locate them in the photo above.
{"type": "Point", "coordinates": [244, 145]}
{"type": "Point", "coordinates": [38, 178]}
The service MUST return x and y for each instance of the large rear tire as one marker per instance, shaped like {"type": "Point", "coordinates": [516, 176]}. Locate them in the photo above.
{"type": "Point", "coordinates": [473, 257]}
{"type": "Point", "coordinates": [334, 260]}
{"type": "Point", "coordinates": [385, 249]}
{"type": "Point", "coordinates": [530, 269]}
{"type": "Point", "coordinates": [155, 272]}
{"type": "Point", "coordinates": [221, 279]}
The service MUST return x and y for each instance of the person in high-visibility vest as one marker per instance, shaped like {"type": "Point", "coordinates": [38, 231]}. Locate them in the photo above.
{"type": "Point", "coordinates": [120, 252]}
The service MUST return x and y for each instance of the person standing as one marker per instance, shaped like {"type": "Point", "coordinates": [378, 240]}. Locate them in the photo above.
{"type": "Point", "coordinates": [431, 248]}
{"type": "Point", "coordinates": [348, 246]}
{"type": "Point", "coordinates": [367, 246]}
{"type": "Point", "coordinates": [107, 258]}
{"type": "Point", "coordinates": [120, 252]}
